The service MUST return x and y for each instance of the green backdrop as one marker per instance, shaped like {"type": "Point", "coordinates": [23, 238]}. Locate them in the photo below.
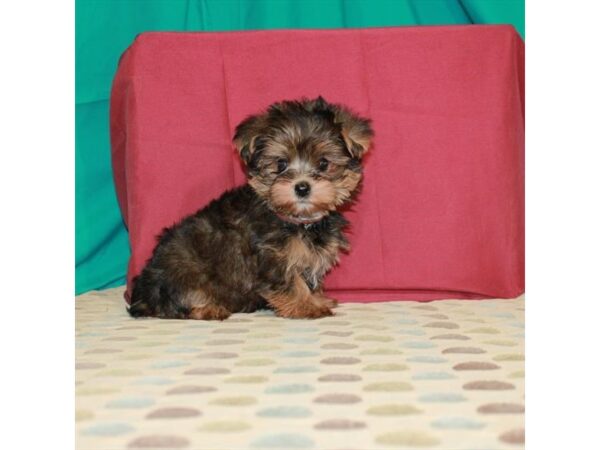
{"type": "Point", "coordinates": [104, 28]}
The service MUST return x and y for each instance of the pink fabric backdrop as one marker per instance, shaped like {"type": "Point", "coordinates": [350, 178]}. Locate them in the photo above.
{"type": "Point", "coordinates": [442, 209]}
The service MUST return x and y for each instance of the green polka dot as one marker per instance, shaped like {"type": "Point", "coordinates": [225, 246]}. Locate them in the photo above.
{"type": "Point", "coordinates": [381, 351]}
{"type": "Point", "coordinates": [393, 410]}
{"type": "Point", "coordinates": [82, 414]}
{"type": "Point", "coordinates": [501, 342]}
{"type": "Point", "coordinates": [408, 439]}
{"type": "Point", "coordinates": [234, 401]}
{"type": "Point", "coordinates": [484, 330]}
{"type": "Point", "coordinates": [388, 386]}
{"type": "Point", "coordinates": [225, 426]}
{"type": "Point", "coordinates": [255, 362]}
{"type": "Point", "coordinates": [517, 374]}
{"type": "Point", "coordinates": [249, 379]}
{"type": "Point", "coordinates": [164, 332]}
{"type": "Point", "coordinates": [385, 367]}
{"type": "Point", "coordinates": [509, 357]}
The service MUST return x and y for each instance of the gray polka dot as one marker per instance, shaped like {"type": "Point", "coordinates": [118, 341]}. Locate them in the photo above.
{"type": "Point", "coordinates": [340, 377]}
{"type": "Point", "coordinates": [173, 413]}
{"type": "Point", "coordinates": [476, 365]}
{"type": "Point", "coordinates": [159, 441]}
{"type": "Point", "coordinates": [340, 360]}
{"type": "Point", "coordinates": [190, 390]}
{"type": "Point", "coordinates": [340, 424]}
{"type": "Point", "coordinates": [338, 399]}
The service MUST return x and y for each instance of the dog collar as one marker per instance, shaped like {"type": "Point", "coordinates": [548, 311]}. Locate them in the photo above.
{"type": "Point", "coordinates": [298, 221]}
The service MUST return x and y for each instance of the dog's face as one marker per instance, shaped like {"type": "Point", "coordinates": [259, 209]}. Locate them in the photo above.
{"type": "Point", "coordinates": [304, 157]}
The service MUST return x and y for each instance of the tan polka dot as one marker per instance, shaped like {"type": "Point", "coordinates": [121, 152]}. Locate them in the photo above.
{"type": "Point", "coordinates": [446, 325]}
{"type": "Point", "coordinates": [425, 308]}
{"type": "Point", "coordinates": [408, 439]}
{"type": "Point", "coordinates": [218, 355]}
{"type": "Point", "coordinates": [224, 342]}
{"type": "Point", "coordinates": [234, 401]}
{"type": "Point", "coordinates": [101, 351]}
{"type": "Point", "coordinates": [173, 413]}
{"type": "Point", "coordinates": [121, 373]}
{"type": "Point", "coordinates": [437, 316]}
{"type": "Point", "coordinates": [179, 390]}
{"type": "Point", "coordinates": [393, 410]}
{"type": "Point", "coordinates": [517, 374]}
{"type": "Point", "coordinates": [451, 337]}
{"type": "Point", "coordinates": [385, 367]}
{"type": "Point", "coordinates": [373, 338]}
{"type": "Point", "coordinates": [338, 399]}
{"type": "Point", "coordinates": [340, 360]}
{"type": "Point", "coordinates": [159, 442]}
{"type": "Point", "coordinates": [388, 386]}
{"type": "Point", "coordinates": [207, 371]}
{"type": "Point", "coordinates": [261, 348]}
{"type": "Point", "coordinates": [225, 426]}
{"type": "Point", "coordinates": [97, 390]}
{"type": "Point", "coordinates": [89, 365]}
{"type": "Point", "coordinates": [343, 377]}
{"type": "Point", "coordinates": [338, 346]}
{"type": "Point", "coordinates": [516, 436]}
{"type": "Point", "coordinates": [476, 365]}
{"type": "Point", "coordinates": [501, 408]}
{"type": "Point", "coordinates": [488, 386]}
{"type": "Point", "coordinates": [340, 424]}
{"type": "Point", "coordinates": [501, 342]}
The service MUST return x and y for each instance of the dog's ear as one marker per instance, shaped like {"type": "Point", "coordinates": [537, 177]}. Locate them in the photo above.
{"type": "Point", "coordinates": [245, 136]}
{"type": "Point", "coordinates": [356, 131]}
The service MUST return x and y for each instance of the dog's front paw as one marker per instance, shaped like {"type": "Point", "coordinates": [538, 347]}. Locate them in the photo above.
{"type": "Point", "coordinates": [305, 310]}
{"type": "Point", "coordinates": [328, 301]}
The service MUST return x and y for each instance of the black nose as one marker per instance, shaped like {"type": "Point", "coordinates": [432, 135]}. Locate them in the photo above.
{"type": "Point", "coordinates": [302, 189]}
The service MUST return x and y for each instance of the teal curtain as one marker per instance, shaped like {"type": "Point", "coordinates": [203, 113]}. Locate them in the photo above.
{"type": "Point", "coordinates": [104, 28]}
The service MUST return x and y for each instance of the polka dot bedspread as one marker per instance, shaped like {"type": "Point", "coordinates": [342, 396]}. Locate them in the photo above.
{"type": "Point", "coordinates": [441, 375]}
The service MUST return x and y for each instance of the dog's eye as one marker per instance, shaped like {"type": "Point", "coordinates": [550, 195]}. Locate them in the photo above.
{"type": "Point", "coordinates": [323, 164]}
{"type": "Point", "coordinates": [281, 165]}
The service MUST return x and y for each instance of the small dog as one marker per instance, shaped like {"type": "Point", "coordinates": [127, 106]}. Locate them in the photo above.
{"type": "Point", "coordinates": [269, 243]}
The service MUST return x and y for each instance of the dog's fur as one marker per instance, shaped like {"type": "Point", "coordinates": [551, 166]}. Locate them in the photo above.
{"type": "Point", "coordinates": [264, 244]}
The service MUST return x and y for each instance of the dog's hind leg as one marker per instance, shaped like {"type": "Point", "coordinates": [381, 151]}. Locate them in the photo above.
{"type": "Point", "coordinates": [201, 307]}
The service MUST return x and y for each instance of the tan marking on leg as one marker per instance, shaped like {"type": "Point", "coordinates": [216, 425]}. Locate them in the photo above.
{"type": "Point", "coordinates": [203, 308]}
{"type": "Point", "coordinates": [298, 302]}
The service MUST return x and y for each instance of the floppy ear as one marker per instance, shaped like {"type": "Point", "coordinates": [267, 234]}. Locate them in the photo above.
{"type": "Point", "coordinates": [245, 136]}
{"type": "Point", "coordinates": [356, 131]}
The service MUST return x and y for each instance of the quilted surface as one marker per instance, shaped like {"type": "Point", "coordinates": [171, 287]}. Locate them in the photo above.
{"type": "Point", "coordinates": [441, 375]}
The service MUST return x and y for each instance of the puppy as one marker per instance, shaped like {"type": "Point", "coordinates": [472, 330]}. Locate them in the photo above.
{"type": "Point", "coordinates": [269, 243]}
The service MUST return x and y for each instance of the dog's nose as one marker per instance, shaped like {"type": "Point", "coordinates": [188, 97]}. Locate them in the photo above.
{"type": "Point", "coordinates": [302, 189]}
